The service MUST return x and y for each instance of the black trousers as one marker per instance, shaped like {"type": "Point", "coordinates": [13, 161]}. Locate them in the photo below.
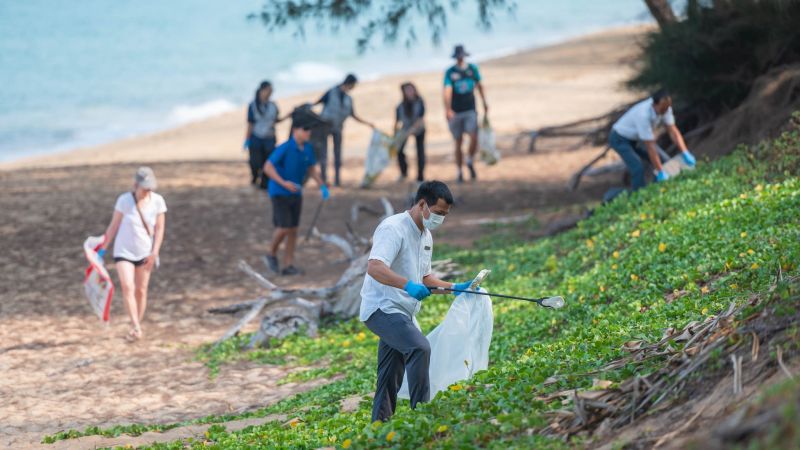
{"type": "Point", "coordinates": [401, 157]}
{"type": "Point", "coordinates": [260, 149]}
{"type": "Point", "coordinates": [402, 348]}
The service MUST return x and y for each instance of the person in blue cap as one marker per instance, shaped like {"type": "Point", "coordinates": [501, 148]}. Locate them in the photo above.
{"type": "Point", "coordinates": [286, 168]}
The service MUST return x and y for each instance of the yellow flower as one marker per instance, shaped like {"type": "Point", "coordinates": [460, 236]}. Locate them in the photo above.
{"type": "Point", "coordinates": [704, 311]}
{"type": "Point", "coordinates": [741, 255]}
{"type": "Point", "coordinates": [643, 216]}
{"type": "Point", "coordinates": [754, 266]}
{"type": "Point", "coordinates": [455, 387]}
{"type": "Point", "coordinates": [614, 267]}
{"type": "Point", "coordinates": [691, 214]}
{"type": "Point", "coordinates": [750, 251]}
{"type": "Point", "coordinates": [704, 290]}
{"type": "Point", "coordinates": [615, 254]}
{"type": "Point", "coordinates": [361, 336]}
{"type": "Point", "coordinates": [511, 267]}
{"type": "Point", "coordinates": [390, 436]}
{"type": "Point", "coordinates": [759, 188]}
{"type": "Point", "coordinates": [590, 243]}
{"type": "Point", "coordinates": [734, 286]}
{"type": "Point", "coordinates": [602, 288]}
{"type": "Point", "coordinates": [347, 443]}
{"type": "Point", "coordinates": [743, 196]}
{"type": "Point", "coordinates": [744, 234]}
{"type": "Point", "coordinates": [294, 422]}
{"type": "Point", "coordinates": [636, 233]}
{"type": "Point", "coordinates": [441, 429]}
{"type": "Point", "coordinates": [662, 247]}
{"type": "Point", "coordinates": [634, 277]}
{"type": "Point", "coordinates": [346, 343]}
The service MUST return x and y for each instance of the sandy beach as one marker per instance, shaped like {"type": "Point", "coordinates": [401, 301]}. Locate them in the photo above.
{"type": "Point", "coordinates": [61, 369]}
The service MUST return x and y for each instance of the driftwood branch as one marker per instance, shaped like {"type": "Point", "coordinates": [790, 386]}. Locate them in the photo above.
{"type": "Point", "coordinates": [234, 330]}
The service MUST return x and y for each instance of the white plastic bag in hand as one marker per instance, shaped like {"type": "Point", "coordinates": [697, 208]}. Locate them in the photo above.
{"type": "Point", "coordinates": [97, 283]}
{"type": "Point", "coordinates": [378, 157]}
{"type": "Point", "coordinates": [460, 344]}
{"type": "Point", "coordinates": [486, 144]}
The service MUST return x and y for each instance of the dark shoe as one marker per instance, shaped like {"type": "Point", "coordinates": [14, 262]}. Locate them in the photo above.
{"type": "Point", "coordinates": [272, 263]}
{"type": "Point", "coordinates": [291, 270]}
{"type": "Point", "coordinates": [473, 176]}
{"type": "Point", "coordinates": [460, 177]}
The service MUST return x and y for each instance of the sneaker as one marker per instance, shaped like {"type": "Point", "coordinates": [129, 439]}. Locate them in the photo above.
{"type": "Point", "coordinates": [291, 270]}
{"type": "Point", "coordinates": [472, 174]}
{"type": "Point", "coordinates": [460, 178]}
{"type": "Point", "coordinates": [272, 263]}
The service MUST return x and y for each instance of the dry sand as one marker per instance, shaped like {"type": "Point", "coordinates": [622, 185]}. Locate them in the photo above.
{"type": "Point", "coordinates": [60, 369]}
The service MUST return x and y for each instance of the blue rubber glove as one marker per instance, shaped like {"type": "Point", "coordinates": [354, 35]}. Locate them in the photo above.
{"type": "Point", "coordinates": [325, 192]}
{"type": "Point", "coordinates": [298, 186]}
{"type": "Point", "coordinates": [462, 287]}
{"type": "Point", "coordinates": [662, 176]}
{"type": "Point", "coordinates": [689, 158]}
{"type": "Point", "coordinates": [101, 253]}
{"type": "Point", "coordinates": [416, 290]}
{"type": "Point", "coordinates": [246, 144]}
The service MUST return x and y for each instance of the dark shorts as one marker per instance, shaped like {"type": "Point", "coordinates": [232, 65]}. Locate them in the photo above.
{"type": "Point", "coordinates": [286, 210]}
{"type": "Point", "coordinates": [135, 263]}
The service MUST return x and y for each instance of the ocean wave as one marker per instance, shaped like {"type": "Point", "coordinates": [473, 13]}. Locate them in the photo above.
{"type": "Point", "coordinates": [190, 113]}
{"type": "Point", "coordinates": [310, 73]}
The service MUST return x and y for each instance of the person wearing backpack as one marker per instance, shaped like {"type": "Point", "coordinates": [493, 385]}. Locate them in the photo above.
{"type": "Point", "coordinates": [137, 229]}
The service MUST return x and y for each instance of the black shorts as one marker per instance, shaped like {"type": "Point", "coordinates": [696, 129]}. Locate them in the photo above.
{"type": "Point", "coordinates": [286, 210]}
{"type": "Point", "coordinates": [135, 263]}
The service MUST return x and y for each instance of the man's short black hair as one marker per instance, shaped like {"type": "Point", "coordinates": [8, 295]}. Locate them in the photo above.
{"type": "Point", "coordinates": [350, 79]}
{"type": "Point", "coordinates": [432, 191]}
{"type": "Point", "coordinates": [659, 94]}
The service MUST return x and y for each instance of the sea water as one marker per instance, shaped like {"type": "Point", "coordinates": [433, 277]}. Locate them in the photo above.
{"type": "Point", "coordinates": [76, 74]}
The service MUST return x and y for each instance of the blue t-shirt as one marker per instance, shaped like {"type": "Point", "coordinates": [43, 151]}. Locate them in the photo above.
{"type": "Point", "coordinates": [463, 82]}
{"type": "Point", "coordinates": [291, 164]}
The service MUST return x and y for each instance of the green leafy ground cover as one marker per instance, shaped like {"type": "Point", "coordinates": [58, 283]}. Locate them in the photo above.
{"type": "Point", "coordinates": [669, 254]}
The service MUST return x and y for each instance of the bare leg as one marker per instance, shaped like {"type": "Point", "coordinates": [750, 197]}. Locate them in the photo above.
{"type": "Point", "coordinates": [459, 154]}
{"type": "Point", "coordinates": [291, 241]}
{"type": "Point", "coordinates": [277, 238]}
{"type": "Point", "coordinates": [473, 145]}
{"type": "Point", "coordinates": [126, 273]}
{"type": "Point", "coordinates": [142, 280]}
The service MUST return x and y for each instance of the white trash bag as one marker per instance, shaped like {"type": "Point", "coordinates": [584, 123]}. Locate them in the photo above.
{"type": "Point", "coordinates": [460, 344]}
{"type": "Point", "coordinates": [379, 155]}
{"type": "Point", "coordinates": [486, 143]}
{"type": "Point", "coordinates": [97, 283]}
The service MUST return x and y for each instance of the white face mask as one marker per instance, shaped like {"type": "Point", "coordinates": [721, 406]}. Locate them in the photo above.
{"type": "Point", "coordinates": [434, 221]}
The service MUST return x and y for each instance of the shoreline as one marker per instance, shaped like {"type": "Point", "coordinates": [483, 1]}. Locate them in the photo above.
{"type": "Point", "coordinates": [159, 146]}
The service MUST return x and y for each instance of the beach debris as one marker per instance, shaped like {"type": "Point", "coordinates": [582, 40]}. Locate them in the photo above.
{"type": "Point", "coordinates": [234, 330]}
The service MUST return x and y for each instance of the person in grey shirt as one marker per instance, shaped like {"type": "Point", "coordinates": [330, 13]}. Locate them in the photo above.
{"type": "Point", "coordinates": [410, 121]}
{"type": "Point", "coordinates": [398, 279]}
{"type": "Point", "coordinates": [262, 115]}
{"type": "Point", "coordinates": [337, 107]}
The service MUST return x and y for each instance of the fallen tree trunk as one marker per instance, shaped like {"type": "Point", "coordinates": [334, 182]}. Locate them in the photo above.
{"type": "Point", "coordinates": [234, 330]}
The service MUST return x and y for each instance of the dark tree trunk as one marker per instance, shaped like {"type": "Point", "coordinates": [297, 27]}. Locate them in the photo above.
{"type": "Point", "coordinates": [661, 11]}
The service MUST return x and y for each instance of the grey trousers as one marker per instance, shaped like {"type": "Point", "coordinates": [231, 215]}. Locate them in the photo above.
{"type": "Point", "coordinates": [337, 157]}
{"type": "Point", "coordinates": [402, 348]}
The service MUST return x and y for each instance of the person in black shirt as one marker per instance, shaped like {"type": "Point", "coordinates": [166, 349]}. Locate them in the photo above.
{"type": "Point", "coordinates": [410, 120]}
{"type": "Point", "coordinates": [460, 82]}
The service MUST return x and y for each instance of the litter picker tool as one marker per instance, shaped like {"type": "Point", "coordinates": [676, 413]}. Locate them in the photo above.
{"type": "Point", "coordinates": [548, 302]}
{"type": "Point", "coordinates": [314, 220]}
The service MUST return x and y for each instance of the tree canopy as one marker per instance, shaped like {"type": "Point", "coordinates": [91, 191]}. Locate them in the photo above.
{"type": "Point", "coordinates": [393, 21]}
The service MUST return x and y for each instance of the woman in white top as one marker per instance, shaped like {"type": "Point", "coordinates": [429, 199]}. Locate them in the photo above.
{"type": "Point", "coordinates": [138, 226]}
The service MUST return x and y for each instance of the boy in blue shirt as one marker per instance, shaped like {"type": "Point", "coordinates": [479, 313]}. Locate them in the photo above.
{"type": "Point", "coordinates": [286, 167]}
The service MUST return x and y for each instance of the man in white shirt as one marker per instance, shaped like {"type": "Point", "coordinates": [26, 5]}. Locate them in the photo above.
{"type": "Point", "coordinates": [636, 127]}
{"type": "Point", "coordinates": [398, 279]}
